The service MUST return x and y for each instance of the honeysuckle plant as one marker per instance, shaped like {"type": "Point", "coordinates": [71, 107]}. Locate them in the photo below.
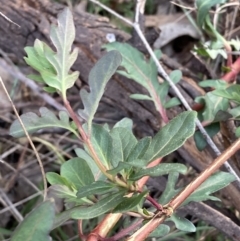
{"type": "Point", "coordinates": [104, 176]}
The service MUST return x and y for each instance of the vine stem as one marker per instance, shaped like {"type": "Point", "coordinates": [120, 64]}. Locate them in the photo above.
{"type": "Point", "coordinates": [144, 232]}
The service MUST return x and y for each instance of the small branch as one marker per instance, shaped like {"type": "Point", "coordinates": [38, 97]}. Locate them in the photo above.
{"type": "Point", "coordinates": [144, 232]}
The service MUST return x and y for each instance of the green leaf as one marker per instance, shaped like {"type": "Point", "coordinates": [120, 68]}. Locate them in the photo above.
{"type": "Point", "coordinates": [175, 76]}
{"type": "Point", "coordinates": [102, 144]}
{"type": "Point", "coordinates": [172, 136]}
{"type": "Point", "coordinates": [91, 163]}
{"type": "Point", "coordinates": [200, 141]}
{"type": "Point", "coordinates": [103, 206]}
{"type": "Point", "coordinates": [98, 78]}
{"type": "Point", "coordinates": [172, 102]}
{"type": "Point", "coordinates": [33, 122]}
{"type": "Point", "coordinates": [231, 93]}
{"type": "Point", "coordinates": [54, 178]}
{"type": "Point", "coordinates": [129, 203]}
{"type": "Point", "coordinates": [77, 172]}
{"type": "Point", "coordinates": [159, 170]}
{"type": "Point", "coordinates": [235, 112]}
{"type": "Point", "coordinates": [36, 58]}
{"type": "Point", "coordinates": [203, 8]}
{"type": "Point", "coordinates": [216, 84]}
{"type": "Point", "coordinates": [161, 231]}
{"type": "Point", "coordinates": [137, 68]}
{"type": "Point", "coordinates": [63, 192]}
{"type": "Point", "coordinates": [139, 150]}
{"type": "Point", "coordinates": [37, 224]}
{"type": "Point", "coordinates": [170, 191]}
{"type": "Point", "coordinates": [182, 223]}
{"type": "Point", "coordinates": [214, 183]}
{"type": "Point", "coordinates": [125, 123]}
{"type": "Point", "coordinates": [213, 104]}
{"type": "Point", "coordinates": [62, 37]}
{"type": "Point", "coordinates": [123, 143]}
{"type": "Point", "coordinates": [95, 188]}
{"type": "Point", "coordinates": [141, 97]}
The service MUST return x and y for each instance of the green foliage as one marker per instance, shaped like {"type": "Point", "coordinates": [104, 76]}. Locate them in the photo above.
{"type": "Point", "coordinates": [77, 171]}
{"type": "Point", "coordinates": [181, 223]}
{"type": "Point", "coordinates": [37, 224]}
{"type": "Point", "coordinates": [161, 231]}
{"type": "Point", "coordinates": [98, 78]}
{"type": "Point", "coordinates": [214, 183]}
{"type": "Point", "coordinates": [102, 206]}
{"type": "Point", "coordinates": [95, 188]}
{"type": "Point", "coordinates": [159, 170]}
{"type": "Point", "coordinates": [144, 73]}
{"type": "Point", "coordinates": [172, 136]}
{"type": "Point", "coordinates": [33, 122]}
{"type": "Point", "coordinates": [199, 139]}
{"type": "Point", "coordinates": [129, 203]}
{"type": "Point", "coordinates": [54, 67]}
{"type": "Point", "coordinates": [203, 7]}
{"type": "Point", "coordinates": [89, 192]}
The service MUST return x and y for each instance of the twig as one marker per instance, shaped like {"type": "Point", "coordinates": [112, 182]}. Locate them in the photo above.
{"type": "Point", "coordinates": [6, 202]}
{"type": "Point", "coordinates": [144, 232]}
{"type": "Point", "coordinates": [29, 139]}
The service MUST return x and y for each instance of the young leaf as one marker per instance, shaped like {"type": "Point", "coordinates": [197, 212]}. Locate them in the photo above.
{"type": "Point", "coordinates": [137, 68]}
{"type": "Point", "coordinates": [123, 143]}
{"type": "Point", "coordinates": [182, 223]}
{"type": "Point", "coordinates": [102, 144]}
{"type": "Point", "coordinates": [98, 78]}
{"type": "Point", "coordinates": [231, 93]}
{"type": "Point", "coordinates": [37, 224]}
{"type": "Point", "coordinates": [62, 37]}
{"type": "Point", "coordinates": [125, 123]}
{"type": "Point", "coordinates": [91, 163]}
{"type": "Point", "coordinates": [200, 141]}
{"type": "Point", "coordinates": [54, 178]}
{"type": "Point", "coordinates": [170, 191]}
{"type": "Point", "coordinates": [161, 231]}
{"type": "Point", "coordinates": [137, 163]}
{"type": "Point", "coordinates": [171, 103]}
{"type": "Point", "coordinates": [33, 122]}
{"type": "Point", "coordinates": [141, 97]}
{"type": "Point", "coordinates": [77, 172]}
{"type": "Point", "coordinates": [159, 170]}
{"type": "Point", "coordinates": [139, 150]}
{"type": "Point", "coordinates": [213, 104]}
{"type": "Point", "coordinates": [216, 84]}
{"type": "Point", "coordinates": [36, 58]}
{"type": "Point", "coordinates": [95, 188]}
{"type": "Point", "coordinates": [54, 67]}
{"type": "Point", "coordinates": [62, 191]}
{"type": "Point", "coordinates": [175, 76]}
{"type": "Point", "coordinates": [172, 136]}
{"type": "Point", "coordinates": [103, 206]}
{"type": "Point", "coordinates": [214, 183]}
{"type": "Point", "coordinates": [129, 203]}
